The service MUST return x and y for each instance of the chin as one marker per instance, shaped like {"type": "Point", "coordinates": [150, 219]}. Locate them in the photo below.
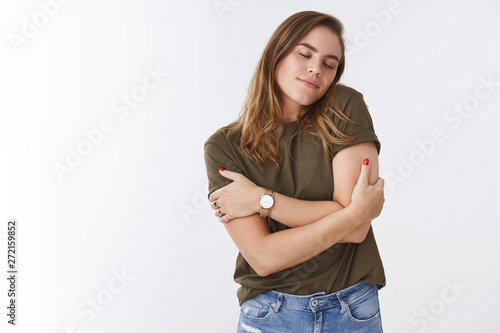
{"type": "Point", "coordinates": [308, 101]}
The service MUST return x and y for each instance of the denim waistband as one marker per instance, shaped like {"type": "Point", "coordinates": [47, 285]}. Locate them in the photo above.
{"type": "Point", "coordinates": [318, 301]}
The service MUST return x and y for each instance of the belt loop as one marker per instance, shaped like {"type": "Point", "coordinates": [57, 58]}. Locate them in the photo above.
{"type": "Point", "coordinates": [277, 305]}
{"type": "Point", "coordinates": [343, 305]}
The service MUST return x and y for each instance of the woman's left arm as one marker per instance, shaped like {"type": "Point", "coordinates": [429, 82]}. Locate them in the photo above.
{"type": "Point", "coordinates": [241, 197]}
{"type": "Point", "coordinates": [345, 166]}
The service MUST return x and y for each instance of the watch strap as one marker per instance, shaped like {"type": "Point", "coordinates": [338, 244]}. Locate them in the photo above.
{"type": "Point", "coordinates": [265, 211]}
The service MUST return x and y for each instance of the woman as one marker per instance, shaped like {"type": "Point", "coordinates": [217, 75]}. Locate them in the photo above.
{"type": "Point", "coordinates": [308, 259]}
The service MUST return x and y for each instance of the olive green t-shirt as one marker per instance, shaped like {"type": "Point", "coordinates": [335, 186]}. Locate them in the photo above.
{"type": "Point", "coordinates": [305, 173]}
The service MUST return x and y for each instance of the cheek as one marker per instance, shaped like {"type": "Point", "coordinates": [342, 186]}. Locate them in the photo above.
{"type": "Point", "coordinates": [281, 72]}
{"type": "Point", "coordinates": [285, 74]}
{"type": "Point", "coordinates": [329, 81]}
{"type": "Point", "coordinates": [324, 90]}
{"type": "Point", "coordinates": [280, 81]}
{"type": "Point", "coordinates": [290, 66]}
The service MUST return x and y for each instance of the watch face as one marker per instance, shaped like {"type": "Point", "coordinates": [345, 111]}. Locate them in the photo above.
{"type": "Point", "coordinates": [266, 201]}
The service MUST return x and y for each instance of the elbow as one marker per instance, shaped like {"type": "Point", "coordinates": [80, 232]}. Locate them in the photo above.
{"type": "Point", "coordinates": [257, 256]}
{"type": "Point", "coordinates": [260, 268]}
{"type": "Point", "coordinates": [262, 265]}
{"type": "Point", "coordinates": [359, 238]}
{"type": "Point", "coordinates": [263, 273]}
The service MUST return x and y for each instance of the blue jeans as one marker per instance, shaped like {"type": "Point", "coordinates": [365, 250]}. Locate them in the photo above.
{"type": "Point", "coordinates": [354, 309]}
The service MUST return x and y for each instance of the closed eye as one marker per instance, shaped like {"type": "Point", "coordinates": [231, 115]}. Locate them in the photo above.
{"type": "Point", "coordinates": [306, 56]}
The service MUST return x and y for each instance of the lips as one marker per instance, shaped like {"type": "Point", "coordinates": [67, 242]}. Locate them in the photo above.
{"type": "Point", "coordinates": [308, 83]}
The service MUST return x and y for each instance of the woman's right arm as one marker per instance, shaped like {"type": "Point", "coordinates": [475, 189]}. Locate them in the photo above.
{"type": "Point", "coordinates": [268, 252]}
{"type": "Point", "coordinates": [241, 197]}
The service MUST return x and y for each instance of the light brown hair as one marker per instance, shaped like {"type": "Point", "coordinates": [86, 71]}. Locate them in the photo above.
{"type": "Point", "coordinates": [260, 120]}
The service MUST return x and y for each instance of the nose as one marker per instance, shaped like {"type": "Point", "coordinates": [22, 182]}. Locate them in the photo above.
{"type": "Point", "coordinates": [314, 69]}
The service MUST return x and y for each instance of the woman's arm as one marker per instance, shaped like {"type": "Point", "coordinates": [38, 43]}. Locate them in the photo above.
{"type": "Point", "coordinates": [295, 212]}
{"type": "Point", "coordinates": [270, 252]}
{"type": "Point", "coordinates": [345, 166]}
{"type": "Point", "coordinates": [346, 171]}
{"type": "Point", "coordinates": [242, 196]}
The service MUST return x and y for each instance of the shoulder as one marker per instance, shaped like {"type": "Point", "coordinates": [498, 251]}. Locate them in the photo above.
{"type": "Point", "coordinates": [222, 138]}
{"type": "Point", "coordinates": [220, 151]}
{"type": "Point", "coordinates": [343, 94]}
{"type": "Point", "coordinates": [219, 137]}
{"type": "Point", "coordinates": [350, 103]}
{"type": "Point", "coordinates": [221, 144]}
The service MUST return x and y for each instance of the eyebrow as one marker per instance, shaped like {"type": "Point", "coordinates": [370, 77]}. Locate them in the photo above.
{"type": "Point", "coordinates": [310, 47]}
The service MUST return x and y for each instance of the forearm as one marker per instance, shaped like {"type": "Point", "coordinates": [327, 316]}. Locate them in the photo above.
{"type": "Point", "coordinates": [358, 234]}
{"type": "Point", "coordinates": [269, 252]}
{"type": "Point", "coordinates": [241, 198]}
{"type": "Point", "coordinates": [290, 247]}
{"type": "Point", "coordinates": [295, 212]}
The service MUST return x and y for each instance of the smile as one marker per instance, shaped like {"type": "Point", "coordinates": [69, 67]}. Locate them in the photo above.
{"type": "Point", "coordinates": [309, 84]}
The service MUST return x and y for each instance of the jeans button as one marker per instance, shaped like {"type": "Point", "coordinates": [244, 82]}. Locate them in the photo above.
{"type": "Point", "coordinates": [314, 303]}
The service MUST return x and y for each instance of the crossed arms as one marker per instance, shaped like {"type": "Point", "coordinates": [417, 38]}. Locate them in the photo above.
{"type": "Point", "coordinates": [315, 225]}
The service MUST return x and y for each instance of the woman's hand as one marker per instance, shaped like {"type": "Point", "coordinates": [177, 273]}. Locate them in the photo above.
{"type": "Point", "coordinates": [367, 200]}
{"type": "Point", "coordinates": [238, 199]}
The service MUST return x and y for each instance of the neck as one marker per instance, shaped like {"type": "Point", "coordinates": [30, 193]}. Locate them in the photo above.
{"type": "Point", "coordinates": [289, 120]}
{"type": "Point", "coordinates": [289, 116]}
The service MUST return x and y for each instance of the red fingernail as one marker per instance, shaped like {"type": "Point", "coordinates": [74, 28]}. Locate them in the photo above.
{"type": "Point", "coordinates": [366, 161]}
{"type": "Point", "coordinates": [221, 169]}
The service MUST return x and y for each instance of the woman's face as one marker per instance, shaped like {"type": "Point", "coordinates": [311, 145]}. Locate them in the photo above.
{"type": "Point", "coordinates": [306, 73]}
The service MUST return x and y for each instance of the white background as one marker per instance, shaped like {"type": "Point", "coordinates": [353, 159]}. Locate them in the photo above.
{"type": "Point", "coordinates": [136, 203]}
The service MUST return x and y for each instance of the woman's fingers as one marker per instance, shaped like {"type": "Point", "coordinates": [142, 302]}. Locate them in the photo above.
{"type": "Point", "coordinates": [364, 175]}
{"type": "Point", "coordinates": [224, 219]}
{"type": "Point", "coordinates": [215, 204]}
{"type": "Point", "coordinates": [219, 213]}
{"type": "Point", "coordinates": [235, 197]}
{"type": "Point", "coordinates": [215, 195]}
{"type": "Point", "coordinates": [229, 174]}
{"type": "Point", "coordinates": [380, 182]}
{"type": "Point", "coordinates": [362, 182]}
{"type": "Point", "coordinates": [368, 199]}
{"type": "Point", "coordinates": [215, 198]}
{"type": "Point", "coordinates": [221, 216]}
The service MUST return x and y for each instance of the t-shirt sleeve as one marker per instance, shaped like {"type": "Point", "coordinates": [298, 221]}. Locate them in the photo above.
{"type": "Point", "coordinates": [218, 154]}
{"type": "Point", "coordinates": [356, 110]}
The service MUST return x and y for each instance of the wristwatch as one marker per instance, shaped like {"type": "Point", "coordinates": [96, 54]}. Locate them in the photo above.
{"type": "Point", "coordinates": [266, 202]}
